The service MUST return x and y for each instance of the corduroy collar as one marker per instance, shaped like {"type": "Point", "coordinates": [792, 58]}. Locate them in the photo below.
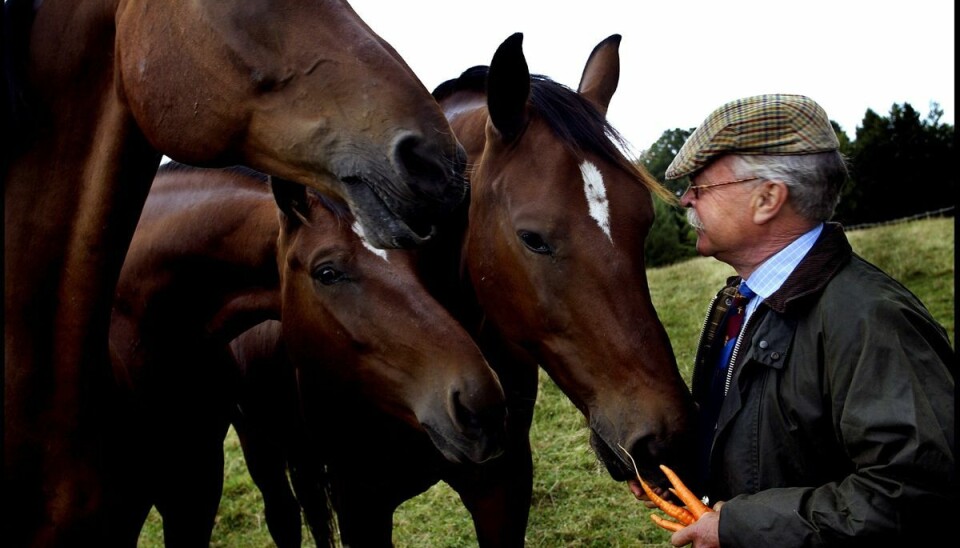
{"type": "Point", "coordinates": [829, 254]}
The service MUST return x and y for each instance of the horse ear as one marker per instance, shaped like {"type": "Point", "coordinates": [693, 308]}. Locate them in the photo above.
{"type": "Point", "coordinates": [601, 73]}
{"type": "Point", "coordinates": [291, 198]}
{"type": "Point", "coordinates": [508, 88]}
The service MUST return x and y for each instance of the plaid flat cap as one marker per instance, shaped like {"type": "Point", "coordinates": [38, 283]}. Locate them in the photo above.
{"type": "Point", "coordinates": [763, 124]}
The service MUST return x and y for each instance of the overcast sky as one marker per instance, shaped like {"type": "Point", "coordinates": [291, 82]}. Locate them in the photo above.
{"type": "Point", "coordinates": [680, 59]}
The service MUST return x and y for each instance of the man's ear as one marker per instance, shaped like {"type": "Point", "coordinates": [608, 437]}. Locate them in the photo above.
{"type": "Point", "coordinates": [768, 199]}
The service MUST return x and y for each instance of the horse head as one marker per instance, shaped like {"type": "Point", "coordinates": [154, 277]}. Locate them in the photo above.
{"type": "Point", "coordinates": [362, 314]}
{"type": "Point", "coordinates": [305, 91]}
{"type": "Point", "coordinates": [554, 250]}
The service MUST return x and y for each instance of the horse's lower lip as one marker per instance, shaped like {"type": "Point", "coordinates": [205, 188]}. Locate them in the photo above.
{"type": "Point", "coordinates": [423, 230]}
{"type": "Point", "coordinates": [612, 459]}
{"type": "Point", "coordinates": [383, 225]}
{"type": "Point", "coordinates": [448, 449]}
{"type": "Point", "coordinates": [459, 453]}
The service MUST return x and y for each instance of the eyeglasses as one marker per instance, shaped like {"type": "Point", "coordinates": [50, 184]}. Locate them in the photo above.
{"type": "Point", "coordinates": [697, 188]}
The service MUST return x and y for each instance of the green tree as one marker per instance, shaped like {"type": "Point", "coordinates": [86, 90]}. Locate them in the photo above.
{"type": "Point", "coordinates": [849, 194]}
{"type": "Point", "coordinates": [657, 158]}
{"type": "Point", "coordinates": [671, 239]}
{"type": "Point", "coordinates": [900, 166]}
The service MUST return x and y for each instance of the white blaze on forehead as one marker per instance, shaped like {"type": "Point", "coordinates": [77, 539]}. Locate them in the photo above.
{"type": "Point", "coordinates": [596, 196]}
{"type": "Point", "coordinates": [358, 230]}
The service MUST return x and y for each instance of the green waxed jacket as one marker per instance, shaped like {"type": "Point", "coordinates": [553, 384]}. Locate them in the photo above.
{"type": "Point", "coordinates": [838, 426]}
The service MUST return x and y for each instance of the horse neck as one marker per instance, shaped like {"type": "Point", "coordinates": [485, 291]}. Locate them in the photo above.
{"type": "Point", "coordinates": [79, 137]}
{"type": "Point", "coordinates": [203, 260]}
{"type": "Point", "coordinates": [85, 164]}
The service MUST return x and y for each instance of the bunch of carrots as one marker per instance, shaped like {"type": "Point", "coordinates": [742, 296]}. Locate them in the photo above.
{"type": "Point", "coordinates": [684, 515]}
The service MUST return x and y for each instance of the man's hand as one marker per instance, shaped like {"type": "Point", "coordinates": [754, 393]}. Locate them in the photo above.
{"type": "Point", "coordinates": [703, 533]}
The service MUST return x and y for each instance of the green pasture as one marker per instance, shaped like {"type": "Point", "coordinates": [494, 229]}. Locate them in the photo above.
{"type": "Point", "coordinates": [575, 504]}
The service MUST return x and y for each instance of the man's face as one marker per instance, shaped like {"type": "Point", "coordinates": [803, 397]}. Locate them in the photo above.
{"type": "Point", "coordinates": [718, 208]}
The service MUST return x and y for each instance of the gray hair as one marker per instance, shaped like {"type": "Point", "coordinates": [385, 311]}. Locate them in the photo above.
{"type": "Point", "coordinates": [814, 180]}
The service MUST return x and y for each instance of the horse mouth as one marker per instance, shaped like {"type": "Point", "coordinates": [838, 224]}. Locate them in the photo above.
{"type": "Point", "coordinates": [386, 224]}
{"type": "Point", "coordinates": [613, 458]}
{"type": "Point", "coordinates": [462, 450]}
{"type": "Point", "coordinates": [620, 466]}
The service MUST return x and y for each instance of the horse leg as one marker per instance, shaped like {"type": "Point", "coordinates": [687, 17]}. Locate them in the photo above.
{"type": "Point", "coordinates": [193, 426]}
{"type": "Point", "coordinates": [267, 464]}
{"type": "Point", "coordinates": [190, 496]}
{"type": "Point", "coordinates": [131, 461]}
{"type": "Point", "coordinates": [498, 498]}
{"type": "Point", "coordinates": [343, 498]}
{"type": "Point", "coordinates": [498, 493]}
{"type": "Point", "coordinates": [310, 482]}
{"type": "Point", "coordinates": [364, 517]}
{"type": "Point", "coordinates": [365, 502]}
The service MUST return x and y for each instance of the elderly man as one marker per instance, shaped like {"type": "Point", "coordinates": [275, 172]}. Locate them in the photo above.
{"type": "Point", "coordinates": [826, 389]}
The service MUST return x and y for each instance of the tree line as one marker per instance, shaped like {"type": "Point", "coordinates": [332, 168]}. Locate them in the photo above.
{"type": "Point", "coordinates": [900, 165]}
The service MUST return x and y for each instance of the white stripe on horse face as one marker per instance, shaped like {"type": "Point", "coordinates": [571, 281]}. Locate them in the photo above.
{"type": "Point", "coordinates": [596, 194]}
{"type": "Point", "coordinates": [358, 230]}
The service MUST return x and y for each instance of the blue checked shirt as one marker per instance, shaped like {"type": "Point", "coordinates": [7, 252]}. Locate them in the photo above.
{"type": "Point", "coordinates": [770, 275]}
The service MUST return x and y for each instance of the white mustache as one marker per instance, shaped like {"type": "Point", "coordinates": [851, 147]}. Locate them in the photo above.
{"type": "Point", "coordinates": [694, 220]}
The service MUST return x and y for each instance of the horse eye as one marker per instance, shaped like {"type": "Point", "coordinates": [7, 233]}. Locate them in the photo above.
{"type": "Point", "coordinates": [534, 242]}
{"type": "Point", "coordinates": [327, 275]}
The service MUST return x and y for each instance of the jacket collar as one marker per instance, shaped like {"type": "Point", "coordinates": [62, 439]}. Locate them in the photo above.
{"type": "Point", "coordinates": [829, 254]}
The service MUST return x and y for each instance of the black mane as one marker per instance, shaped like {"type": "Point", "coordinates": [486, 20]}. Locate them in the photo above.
{"type": "Point", "coordinates": [472, 79]}
{"type": "Point", "coordinates": [574, 119]}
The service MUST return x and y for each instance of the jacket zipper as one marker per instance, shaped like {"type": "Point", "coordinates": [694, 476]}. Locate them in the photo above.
{"type": "Point", "coordinates": [733, 355]}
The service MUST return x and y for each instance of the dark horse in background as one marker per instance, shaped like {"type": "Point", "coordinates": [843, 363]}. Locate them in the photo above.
{"type": "Point", "coordinates": [216, 253]}
{"type": "Point", "coordinates": [546, 268]}
{"type": "Point", "coordinates": [96, 92]}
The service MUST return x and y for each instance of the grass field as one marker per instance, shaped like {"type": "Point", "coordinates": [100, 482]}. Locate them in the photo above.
{"type": "Point", "coordinates": [575, 504]}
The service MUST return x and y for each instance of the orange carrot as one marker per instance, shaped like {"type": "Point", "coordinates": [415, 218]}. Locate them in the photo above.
{"type": "Point", "coordinates": [694, 504]}
{"type": "Point", "coordinates": [684, 516]}
{"type": "Point", "coordinates": [666, 524]}
{"type": "Point", "coordinates": [672, 510]}
{"type": "Point", "coordinates": [680, 514]}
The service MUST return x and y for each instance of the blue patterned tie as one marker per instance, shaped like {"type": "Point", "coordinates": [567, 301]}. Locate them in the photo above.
{"type": "Point", "coordinates": [734, 323]}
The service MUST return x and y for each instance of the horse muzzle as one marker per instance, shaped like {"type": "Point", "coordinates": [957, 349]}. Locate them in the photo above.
{"type": "Point", "coordinates": [468, 433]}
{"type": "Point", "coordinates": [642, 455]}
{"type": "Point", "coordinates": [403, 206]}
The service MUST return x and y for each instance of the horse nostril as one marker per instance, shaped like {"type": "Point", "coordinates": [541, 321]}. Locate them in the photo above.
{"type": "Point", "coordinates": [649, 451]}
{"type": "Point", "coordinates": [483, 422]}
{"type": "Point", "coordinates": [437, 176]}
{"type": "Point", "coordinates": [657, 446]}
{"type": "Point", "coordinates": [415, 157]}
{"type": "Point", "coordinates": [466, 418]}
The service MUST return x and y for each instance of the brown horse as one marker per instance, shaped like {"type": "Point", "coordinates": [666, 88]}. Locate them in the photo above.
{"type": "Point", "coordinates": [95, 93]}
{"type": "Point", "coordinates": [208, 261]}
{"type": "Point", "coordinates": [553, 252]}
{"type": "Point", "coordinates": [547, 268]}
